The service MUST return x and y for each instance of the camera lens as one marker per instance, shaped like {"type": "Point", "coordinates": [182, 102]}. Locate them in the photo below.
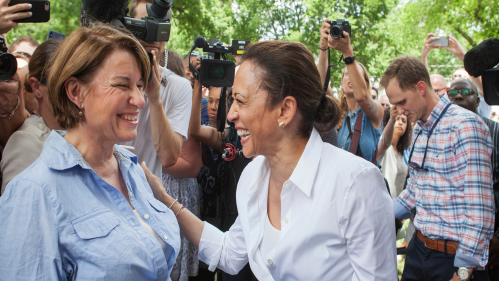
{"type": "Point", "coordinates": [336, 31]}
{"type": "Point", "coordinates": [217, 72]}
{"type": "Point", "coordinates": [8, 66]}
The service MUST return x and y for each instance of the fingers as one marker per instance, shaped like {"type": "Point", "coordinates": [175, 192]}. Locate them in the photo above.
{"type": "Point", "coordinates": [18, 16]}
{"type": "Point", "coordinates": [17, 8]}
{"type": "Point", "coordinates": [430, 35]}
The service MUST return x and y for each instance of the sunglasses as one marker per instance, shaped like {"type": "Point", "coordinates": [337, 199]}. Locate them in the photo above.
{"type": "Point", "coordinates": [465, 92]}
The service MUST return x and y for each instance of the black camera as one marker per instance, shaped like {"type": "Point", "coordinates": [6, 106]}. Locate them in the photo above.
{"type": "Point", "coordinates": [8, 63]}
{"type": "Point", "coordinates": [490, 82]}
{"type": "Point", "coordinates": [217, 72]}
{"type": "Point", "coordinates": [337, 28]}
{"type": "Point", "coordinates": [156, 26]}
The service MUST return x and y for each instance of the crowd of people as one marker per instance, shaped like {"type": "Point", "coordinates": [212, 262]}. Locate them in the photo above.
{"type": "Point", "coordinates": [114, 165]}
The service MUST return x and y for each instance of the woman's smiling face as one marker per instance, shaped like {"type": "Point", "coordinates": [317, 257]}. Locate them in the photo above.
{"type": "Point", "coordinates": [254, 119]}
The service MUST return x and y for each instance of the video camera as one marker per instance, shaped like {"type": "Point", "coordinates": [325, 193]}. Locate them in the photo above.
{"type": "Point", "coordinates": [337, 28]}
{"type": "Point", "coordinates": [153, 28]}
{"type": "Point", "coordinates": [8, 63]}
{"type": "Point", "coordinates": [482, 60]}
{"type": "Point", "coordinates": [217, 72]}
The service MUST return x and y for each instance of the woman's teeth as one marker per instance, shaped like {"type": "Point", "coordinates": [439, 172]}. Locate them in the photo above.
{"type": "Point", "coordinates": [244, 134]}
{"type": "Point", "coordinates": [128, 117]}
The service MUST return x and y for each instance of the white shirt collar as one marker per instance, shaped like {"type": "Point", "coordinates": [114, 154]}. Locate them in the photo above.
{"type": "Point", "coordinates": [304, 174]}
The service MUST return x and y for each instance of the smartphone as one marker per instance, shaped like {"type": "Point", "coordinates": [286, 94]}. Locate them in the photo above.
{"type": "Point", "coordinates": [40, 10]}
{"type": "Point", "coordinates": [444, 41]}
{"type": "Point", "coordinates": [55, 35]}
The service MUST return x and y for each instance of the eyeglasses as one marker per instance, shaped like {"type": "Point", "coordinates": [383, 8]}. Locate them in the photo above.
{"type": "Point", "coordinates": [385, 104]}
{"type": "Point", "coordinates": [438, 90]}
{"type": "Point", "coordinates": [464, 91]}
{"type": "Point", "coordinates": [24, 54]}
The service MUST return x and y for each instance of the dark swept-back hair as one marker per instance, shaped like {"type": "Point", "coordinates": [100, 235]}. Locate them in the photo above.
{"type": "Point", "coordinates": [39, 60]}
{"type": "Point", "coordinates": [289, 70]}
{"type": "Point", "coordinates": [405, 139]}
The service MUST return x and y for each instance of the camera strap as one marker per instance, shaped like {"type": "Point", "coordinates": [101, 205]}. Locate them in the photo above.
{"type": "Point", "coordinates": [329, 66]}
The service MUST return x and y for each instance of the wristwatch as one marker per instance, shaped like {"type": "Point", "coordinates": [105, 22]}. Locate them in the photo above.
{"type": "Point", "coordinates": [463, 274]}
{"type": "Point", "coordinates": [349, 60]}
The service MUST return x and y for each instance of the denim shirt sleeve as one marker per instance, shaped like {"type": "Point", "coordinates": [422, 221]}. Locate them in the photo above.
{"type": "Point", "coordinates": [27, 215]}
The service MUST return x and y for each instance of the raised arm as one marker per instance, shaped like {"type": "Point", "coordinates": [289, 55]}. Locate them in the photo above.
{"type": "Point", "coordinates": [189, 162]}
{"type": "Point", "coordinates": [323, 45]}
{"type": "Point", "coordinates": [427, 47]}
{"type": "Point", "coordinates": [204, 134]}
{"type": "Point", "coordinates": [457, 50]}
{"type": "Point", "coordinates": [166, 141]}
{"type": "Point", "coordinates": [371, 108]}
{"type": "Point", "coordinates": [386, 137]}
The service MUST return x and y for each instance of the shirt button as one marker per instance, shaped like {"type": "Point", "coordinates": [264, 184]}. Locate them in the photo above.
{"type": "Point", "coordinates": [270, 262]}
{"type": "Point", "coordinates": [146, 216]}
{"type": "Point", "coordinates": [165, 237]}
{"type": "Point", "coordinates": [286, 220]}
{"type": "Point", "coordinates": [131, 194]}
{"type": "Point", "coordinates": [41, 126]}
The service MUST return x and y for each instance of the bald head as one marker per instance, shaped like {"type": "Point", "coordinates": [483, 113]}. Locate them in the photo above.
{"type": "Point", "coordinates": [439, 84]}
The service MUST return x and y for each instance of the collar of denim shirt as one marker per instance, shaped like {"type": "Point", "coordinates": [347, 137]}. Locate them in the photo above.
{"type": "Point", "coordinates": [59, 154]}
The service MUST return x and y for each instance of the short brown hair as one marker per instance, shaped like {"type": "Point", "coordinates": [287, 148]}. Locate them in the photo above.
{"type": "Point", "coordinates": [134, 4]}
{"type": "Point", "coordinates": [79, 56]}
{"type": "Point", "coordinates": [408, 70]}
{"type": "Point", "coordinates": [289, 70]}
{"type": "Point", "coordinates": [28, 39]}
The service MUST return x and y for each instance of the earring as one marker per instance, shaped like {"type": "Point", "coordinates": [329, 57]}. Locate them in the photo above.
{"type": "Point", "coordinates": [80, 113]}
{"type": "Point", "coordinates": [282, 124]}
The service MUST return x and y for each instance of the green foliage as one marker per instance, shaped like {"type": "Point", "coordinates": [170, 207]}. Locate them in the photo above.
{"type": "Point", "coordinates": [64, 18]}
{"type": "Point", "coordinates": [381, 29]}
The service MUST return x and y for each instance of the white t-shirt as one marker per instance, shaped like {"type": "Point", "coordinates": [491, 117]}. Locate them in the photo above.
{"type": "Point", "coordinates": [394, 170]}
{"type": "Point", "coordinates": [176, 96]}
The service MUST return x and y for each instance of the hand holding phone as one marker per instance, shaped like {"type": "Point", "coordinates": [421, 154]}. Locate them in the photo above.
{"type": "Point", "coordinates": [40, 10]}
{"type": "Point", "coordinates": [443, 41]}
{"type": "Point", "coordinates": [9, 14]}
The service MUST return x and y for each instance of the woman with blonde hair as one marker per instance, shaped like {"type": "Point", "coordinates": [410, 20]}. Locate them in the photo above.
{"type": "Point", "coordinates": [354, 99]}
{"type": "Point", "coordinates": [84, 210]}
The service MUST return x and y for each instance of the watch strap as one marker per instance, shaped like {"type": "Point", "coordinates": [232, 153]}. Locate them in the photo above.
{"type": "Point", "coordinates": [349, 60]}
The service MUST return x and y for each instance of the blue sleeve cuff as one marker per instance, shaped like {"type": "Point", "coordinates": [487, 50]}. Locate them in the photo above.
{"type": "Point", "coordinates": [465, 261]}
{"type": "Point", "coordinates": [400, 211]}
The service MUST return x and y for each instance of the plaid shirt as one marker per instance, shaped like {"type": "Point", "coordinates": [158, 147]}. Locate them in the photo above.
{"type": "Point", "coordinates": [453, 198]}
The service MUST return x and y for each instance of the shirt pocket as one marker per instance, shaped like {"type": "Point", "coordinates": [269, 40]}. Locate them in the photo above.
{"type": "Point", "coordinates": [101, 234]}
{"type": "Point", "coordinates": [157, 205]}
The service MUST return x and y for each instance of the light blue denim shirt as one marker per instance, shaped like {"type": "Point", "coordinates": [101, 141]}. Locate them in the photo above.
{"type": "Point", "coordinates": [369, 136]}
{"type": "Point", "coordinates": [60, 221]}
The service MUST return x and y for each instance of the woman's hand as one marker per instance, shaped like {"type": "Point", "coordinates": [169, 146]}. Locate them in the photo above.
{"type": "Point", "coordinates": [9, 94]}
{"type": "Point", "coordinates": [455, 48]}
{"type": "Point", "coordinates": [393, 112]}
{"type": "Point", "coordinates": [325, 34]}
{"type": "Point", "coordinates": [10, 13]}
{"type": "Point", "coordinates": [152, 90]}
{"type": "Point", "coordinates": [156, 186]}
{"type": "Point", "coordinates": [342, 44]}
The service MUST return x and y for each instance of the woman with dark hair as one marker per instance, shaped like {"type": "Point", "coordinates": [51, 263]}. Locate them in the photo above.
{"type": "Point", "coordinates": [307, 210]}
{"type": "Point", "coordinates": [396, 138]}
{"type": "Point", "coordinates": [355, 98]}
{"type": "Point", "coordinates": [25, 145]}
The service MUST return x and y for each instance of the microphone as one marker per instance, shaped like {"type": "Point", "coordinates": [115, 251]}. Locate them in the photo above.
{"type": "Point", "coordinates": [482, 57]}
{"type": "Point", "coordinates": [104, 11]}
{"type": "Point", "coordinates": [199, 42]}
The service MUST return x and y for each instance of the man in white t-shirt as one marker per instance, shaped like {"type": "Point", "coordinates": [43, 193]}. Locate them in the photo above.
{"type": "Point", "coordinates": [164, 121]}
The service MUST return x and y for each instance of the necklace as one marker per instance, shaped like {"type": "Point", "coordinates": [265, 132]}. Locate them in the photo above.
{"type": "Point", "coordinates": [9, 115]}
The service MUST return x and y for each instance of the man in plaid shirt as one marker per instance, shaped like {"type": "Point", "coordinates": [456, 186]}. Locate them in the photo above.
{"type": "Point", "coordinates": [450, 183]}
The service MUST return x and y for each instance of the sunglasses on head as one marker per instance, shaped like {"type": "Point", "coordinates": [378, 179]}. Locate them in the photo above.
{"type": "Point", "coordinates": [464, 91]}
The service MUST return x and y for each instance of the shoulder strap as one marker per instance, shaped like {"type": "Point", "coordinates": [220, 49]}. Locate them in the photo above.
{"type": "Point", "coordinates": [356, 134]}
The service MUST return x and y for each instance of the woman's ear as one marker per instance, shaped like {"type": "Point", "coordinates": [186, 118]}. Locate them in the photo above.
{"type": "Point", "coordinates": [74, 90]}
{"type": "Point", "coordinates": [35, 87]}
{"type": "Point", "coordinates": [287, 109]}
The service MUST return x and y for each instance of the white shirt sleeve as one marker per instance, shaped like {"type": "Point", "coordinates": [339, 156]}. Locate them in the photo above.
{"type": "Point", "coordinates": [177, 102]}
{"type": "Point", "coordinates": [226, 251]}
{"type": "Point", "coordinates": [368, 223]}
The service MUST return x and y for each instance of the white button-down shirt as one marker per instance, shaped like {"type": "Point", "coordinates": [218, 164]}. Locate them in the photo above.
{"type": "Point", "coordinates": [337, 221]}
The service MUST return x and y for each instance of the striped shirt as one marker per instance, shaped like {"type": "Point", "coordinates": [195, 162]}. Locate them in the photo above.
{"type": "Point", "coordinates": [453, 196]}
